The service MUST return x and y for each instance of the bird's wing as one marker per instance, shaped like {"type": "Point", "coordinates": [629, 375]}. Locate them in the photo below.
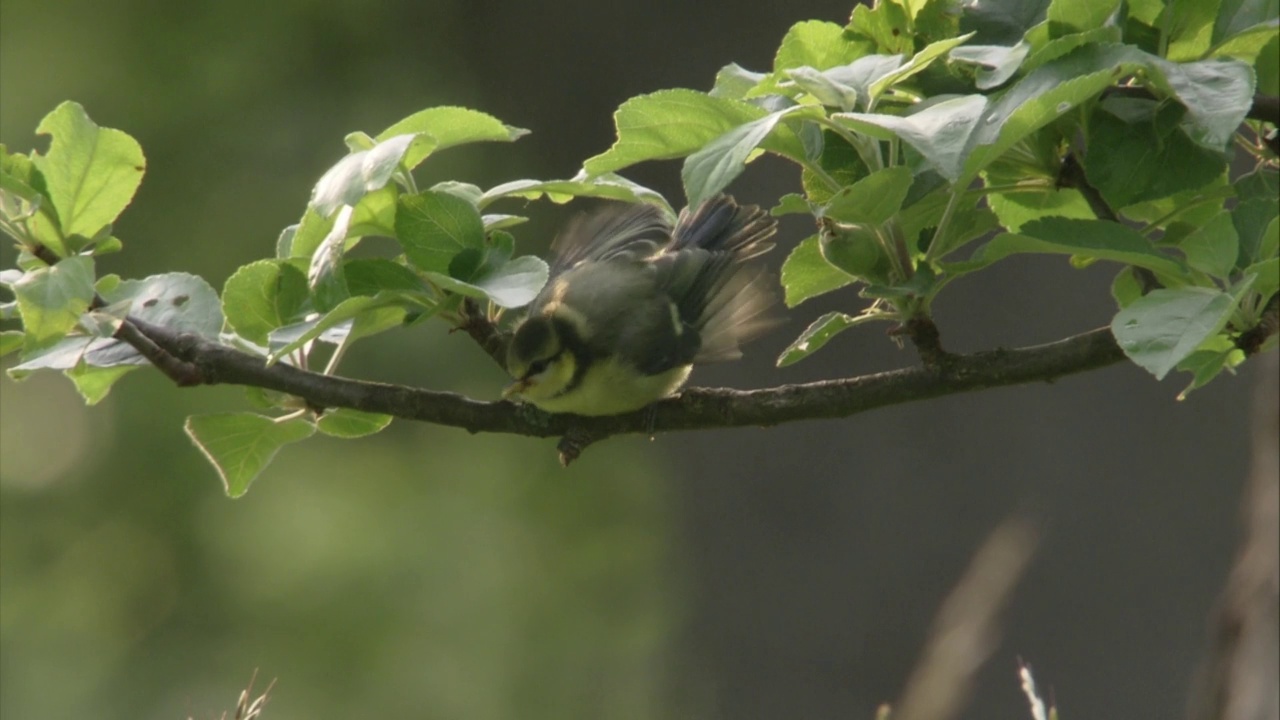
{"type": "Point", "coordinates": [636, 230]}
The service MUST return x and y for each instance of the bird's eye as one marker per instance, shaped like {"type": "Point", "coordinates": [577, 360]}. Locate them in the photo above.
{"type": "Point", "coordinates": [537, 366]}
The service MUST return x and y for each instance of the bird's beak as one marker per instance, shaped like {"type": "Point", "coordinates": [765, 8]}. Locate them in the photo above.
{"type": "Point", "coordinates": [515, 389]}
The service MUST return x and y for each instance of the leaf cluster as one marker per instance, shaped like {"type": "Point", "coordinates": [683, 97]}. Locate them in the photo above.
{"type": "Point", "coordinates": [932, 139]}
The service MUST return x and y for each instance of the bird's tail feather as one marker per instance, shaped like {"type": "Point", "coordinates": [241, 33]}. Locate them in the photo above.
{"type": "Point", "coordinates": [738, 311]}
{"type": "Point", "coordinates": [721, 225]}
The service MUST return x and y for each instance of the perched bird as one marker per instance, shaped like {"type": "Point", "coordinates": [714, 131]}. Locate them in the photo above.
{"type": "Point", "coordinates": [633, 303]}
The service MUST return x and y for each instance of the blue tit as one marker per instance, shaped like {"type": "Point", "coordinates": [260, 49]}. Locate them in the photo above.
{"type": "Point", "coordinates": [632, 303]}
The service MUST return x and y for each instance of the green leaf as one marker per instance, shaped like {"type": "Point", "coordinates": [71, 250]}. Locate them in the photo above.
{"type": "Point", "coordinates": [107, 245]}
{"type": "Point", "coordinates": [1269, 244]}
{"type": "Point", "coordinates": [19, 176]}
{"type": "Point", "coordinates": [1267, 67]}
{"type": "Point", "coordinates": [675, 123]}
{"type": "Point", "coordinates": [93, 383]}
{"type": "Point", "coordinates": [1098, 239]}
{"type": "Point", "coordinates": [1263, 182]}
{"type": "Point", "coordinates": [940, 132]}
{"type": "Point", "coordinates": [499, 221]}
{"type": "Point", "coordinates": [1058, 47]}
{"type": "Point", "coordinates": [886, 25]}
{"type": "Point", "coordinates": [996, 63]}
{"type": "Point", "coordinates": [347, 423]}
{"type": "Point", "coordinates": [1255, 228]}
{"type": "Point", "coordinates": [1236, 17]}
{"type": "Point", "coordinates": [1217, 93]}
{"type": "Point", "coordinates": [181, 302]}
{"type": "Point", "coordinates": [1132, 162]}
{"type": "Point", "coordinates": [369, 276]}
{"type": "Point", "coordinates": [609, 186]}
{"type": "Point", "coordinates": [712, 168]}
{"type": "Point", "coordinates": [1248, 46]}
{"type": "Point", "coordinates": [433, 227]}
{"type": "Point", "coordinates": [819, 333]}
{"type": "Point", "coordinates": [1001, 22]}
{"type": "Point", "coordinates": [375, 214]}
{"type": "Point", "coordinates": [51, 299]}
{"type": "Point", "coordinates": [306, 236]}
{"type": "Point", "coordinates": [1162, 328]}
{"type": "Point", "coordinates": [824, 88]}
{"type": "Point", "coordinates": [1017, 209]}
{"type": "Point", "coordinates": [816, 44]}
{"type": "Point", "coordinates": [264, 296]}
{"type": "Point", "coordinates": [858, 75]}
{"type": "Point", "coordinates": [241, 445]}
{"type": "Point", "coordinates": [90, 172]}
{"type": "Point", "coordinates": [873, 199]}
{"type": "Point", "coordinates": [325, 276]}
{"type": "Point", "coordinates": [516, 283]}
{"type": "Point", "coordinates": [363, 172]}
{"type": "Point", "coordinates": [1126, 287]}
{"type": "Point", "coordinates": [10, 340]}
{"type": "Point", "coordinates": [367, 314]}
{"type": "Point", "coordinates": [1213, 247]}
{"type": "Point", "coordinates": [917, 64]}
{"type": "Point", "coordinates": [24, 199]}
{"type": "Point", "coordinates": [450, 126]}
{"type": "Point", "coordinates": [734, 82]}
{"type": "Point", "coordinates": [806, 274]}
{"type": "Point", "coordinates": [1194, 207]}
{"type": "Point", "coordinates": [1082, 15]}
{"type": "Point", "coordinates": [1189, 26]}
{"type": "Point", "coordinates": [791, 204]}
{"type": "Point", "coordinates": [1038, 99]}
{"type": "Point", "coordinates": [1216, 355]}
{"type": "Point", "coordinates": [358, 141]}
{"type": "Point", "coordinates": [856, 250]}
{"type": "Point", "coordinates": [969, 222]}
{"type": "Point", "coordinates": [1267, 273]}
{"type": "Point", "coordinates": [511, 285]}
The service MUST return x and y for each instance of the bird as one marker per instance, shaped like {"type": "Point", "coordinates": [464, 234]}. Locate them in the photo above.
{"type": "Point", "coordinates": [633, 302]}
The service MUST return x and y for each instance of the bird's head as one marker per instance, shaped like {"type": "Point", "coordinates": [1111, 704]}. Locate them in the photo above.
{"type": "Point", "coordinates": [540, 360]}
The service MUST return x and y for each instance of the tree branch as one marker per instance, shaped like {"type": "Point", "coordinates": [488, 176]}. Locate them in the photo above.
{"type": "Point", "coordinates": [475, 323]}
{"type": "Point", "coordinates": [1072, 175]}
{"type": "Point", "coordinates": [693, 409]}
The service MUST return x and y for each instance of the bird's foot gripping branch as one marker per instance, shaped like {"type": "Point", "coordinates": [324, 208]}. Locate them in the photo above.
{"type": "Point", "coordinates": [932, 139]}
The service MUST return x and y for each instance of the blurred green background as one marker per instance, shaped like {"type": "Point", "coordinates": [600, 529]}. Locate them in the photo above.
{"type": "Point", "coordinates": [790, 572]}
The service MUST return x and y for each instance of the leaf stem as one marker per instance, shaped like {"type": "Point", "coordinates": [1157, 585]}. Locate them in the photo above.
{"type": "Point", "coordinates": [936, 245]}
{"type": "Point", "coordinates": [290, 416]}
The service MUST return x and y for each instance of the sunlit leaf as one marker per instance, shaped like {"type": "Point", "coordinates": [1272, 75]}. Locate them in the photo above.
{"type": "Point", "coordinates": [90, 172]}
{"type": "Point", "coordinates": [712, 168]}
{"type": "Point", "coordinates": [347, 423]}
{"type": "Point", "coordinates": [1162, 328]}
{"type": "Point", "coordinates": [51, 299]}
{"type": "Point", "coordinates": [450, 126]}
{"type": "Point", "coordinates": [675, 123]}
{"type": "Point", "coordinates": [263, 296]}
{"type": "Point", "coordinates": [806, 274]}
{"type": "Point", "coordinates": [241, 445]}
{"type": "Point", "coordinates": [941, 132]}
{"type": "Point", "coordinates": [433, 227]}
{"type": "Point", "coordinates": [818, 334]}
